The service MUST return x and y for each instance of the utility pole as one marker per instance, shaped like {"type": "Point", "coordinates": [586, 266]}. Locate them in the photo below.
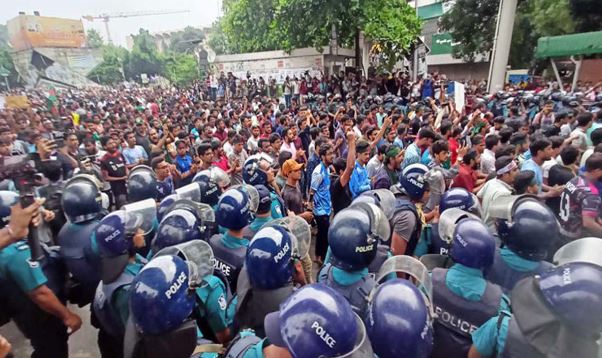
{"type": "Point", "coordinates": [501, 45]}
{"type": "Point", "coordinates": [415, 55]}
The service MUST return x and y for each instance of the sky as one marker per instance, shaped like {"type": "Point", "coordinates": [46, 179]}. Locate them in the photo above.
{"type": "Point", "coordinates": [202, 13]}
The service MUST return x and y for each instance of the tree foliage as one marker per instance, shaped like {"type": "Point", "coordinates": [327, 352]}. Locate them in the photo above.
{"type": "Point", "coordinates": [94, 39]}
{"type": "Point", "coordinates": [6, 61]}
{"type": "Point", "coordinates": [144, 57]}
{"type": "Point", "coordinates": [112, 69]}
{"type": "Point", "coordinates": [587, 14]}
{"type": "Point", "coordinates": [181, 69]}
{"type": "Point", "coordinates": [248, 25]}
{"type": "Point", "coordinates": [216, 39]}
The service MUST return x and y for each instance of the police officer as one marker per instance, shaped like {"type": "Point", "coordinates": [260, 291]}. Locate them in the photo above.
{"type": "Point", "coordinates": [142, 184]}
{"type": "Point", "coordinates": [557, 313]}
{"type": "Point", "coordinates": [263, 213]}
{"type": "Point", "coordinates": [385, 200]}
{"type": "Point", "coordinates": [399, 321]}
{"type": "Point", "coordinates": [528, 230]}
{"type": "Point", "coordinates": [352, 239]}
{"type": "Point", "coordinates": [230, 248]}
{"type": "Point", "coordinates": [162, 301]}
{"type": "Point", "coordinates": [315, 321]}
{"type": "Point", "coordinates": [32, 294]}
{"type": "Point", "coordinates": [216, 306]}
{"type": "Point", "coordinates": [82, 203]}
{"type": "Point", "coordinates": [118, 236]}
{"type": "Point", "coordinates": [407, 223]}
{"type": "Point", "coordinates": [270, 267]}
{"type": "Point", "coordinates": [258, 170]}
{"type": "Point", "coordinates": [463, 299]}
{"type": "Point", "coordinates": [212, 182]}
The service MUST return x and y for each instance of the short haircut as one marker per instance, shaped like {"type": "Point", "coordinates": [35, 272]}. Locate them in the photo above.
{"type": "Point", "coordinates": [556, 141]}
{"type": "Point", "coordinates": [518, 138]}
{"type": "Point", "coordinates": [156, 161]}
{"type": "Point", "coordinates": [261, 141]}
{"type": "Point", "coordinates": [52, 169]}
{"type": "Point", "coordinates": [499, 120]}
{"type": "Point", "coordinates": [523, 180]}
{"type": "Point", "coordinates": [362, 146]}
{"type": "Point", "coordinates": [446, 126]}
{"type": "Point", "coordinates": [440, 146]}
{"type": "Point", "coordinates": [237, 139]}
{"type": "Point", "coordinates": [538, 145]}
{"type": "Point", "coordinates": [274, 137]}
{"type": "Point", "coordinates": [502, 162]}
{"type": "Point", "coordinates": [283, 157]}
{"type": "Point", "coordinates": [325, 149]}
{"type": "Point", "coordinates": [427, 133]}
{"type": "Point", "coordinates": [104, 140]}
{"type": "Point", "coordinates": [596, 136]}
{"type": "Point", "coordinates": [320, 141]}
{"type": "Point", "coordinates": [505, 150]}
{"type": "Point", "coordinates": [203, 148]}
{"type": "Point", "coordinates": [477, 139]}
{"type": "Point", "coordinates": [472, 154]}
{"type": "Point", "coordinates": [593, 162]}
{"type": "Point", "coordinates": [89, 141]}
{"type": "Point", "coordinates": [491, 141]}
{"type": "Point", "coordinates": [339, 164]}
{"type": "Point", "coordinates": [584, 118]}
{"type": "Point", "coordinates": [505, 134]}
{"type": "Point", "coordinates": [569, 155]}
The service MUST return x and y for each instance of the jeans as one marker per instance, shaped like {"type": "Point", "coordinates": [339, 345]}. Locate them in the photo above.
{"type": "Point", "coordinates": [287, 100]}
{"type": "Point", "coordinates": [323, 222]}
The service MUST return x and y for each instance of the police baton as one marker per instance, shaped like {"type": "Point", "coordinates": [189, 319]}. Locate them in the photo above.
{"type": "Point", "coordinates": [26, 199]}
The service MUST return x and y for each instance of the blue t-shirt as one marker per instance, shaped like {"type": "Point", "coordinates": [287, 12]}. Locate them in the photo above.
{"type": "Point", "coordinates": [412, 155]}
{"type": "Point", "coordinates": [360, 181]}
{"type": "Point", "coordinates": [320, 184]}
{"type": "Point", "coordinates": [133, 155]}
{"type": "Point", "coordinates": [532, 166]}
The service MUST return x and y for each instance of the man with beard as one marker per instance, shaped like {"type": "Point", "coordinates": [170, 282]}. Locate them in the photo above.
{"type": "Point", "coordinates": [388, 174]}
{"type": "Point", "coordinates": [467, 177]}
{"type": "Point", "coordinates": [541, 150]}
{"type": "Point", "coordinates": [319, 196]}
{"type": "Point", "coordinates": [114, 170]}
{"type": "Point", "coordinates": [142, 135]}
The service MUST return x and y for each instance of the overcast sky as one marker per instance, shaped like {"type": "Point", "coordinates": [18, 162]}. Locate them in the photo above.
{"type": "Point", "coordinates": [202, 13]}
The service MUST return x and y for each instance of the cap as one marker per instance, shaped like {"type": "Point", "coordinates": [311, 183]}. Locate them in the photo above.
{"type": "Point", "coordinates": [290, 166]}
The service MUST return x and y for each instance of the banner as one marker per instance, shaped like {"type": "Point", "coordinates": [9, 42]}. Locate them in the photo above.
{"type": "Point", "coordinates": [29, 31]}
{"type": "Point", "coordinates": [16, 102]}
{"type": "Point", "coordinates": [459, 99]}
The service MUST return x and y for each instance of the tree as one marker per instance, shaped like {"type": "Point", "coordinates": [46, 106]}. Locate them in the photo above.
{"type": "Point", "coordinates": [587, 14]}
{"type": "Point", "coordinates": [94, 39]}
{"type": "Point", "coordinates": [112, 68]}
{"type": "Point", "coordinates": [187, 40]}
{"type": "Point", "coordinates": [6, 61]}
{"type": "Point", "coordinates": [181, 69]}
{"type": "Point", "coordinates": [216, 39]}
{"type": "Point", "coordinates": [144, 57]}
{"type": "Point", "coordinates": [248, 25]}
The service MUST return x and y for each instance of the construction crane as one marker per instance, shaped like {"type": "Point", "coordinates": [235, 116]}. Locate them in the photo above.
{"type": "Point", "coordinates": [107, 17]}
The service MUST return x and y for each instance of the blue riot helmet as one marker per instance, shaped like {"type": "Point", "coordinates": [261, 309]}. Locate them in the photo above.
{"type": "Point", "coordinates": [114, 243]}
{"type": "Point", "coordinates": [82, 200]}
{"type": "Point", "coordinates": [161, 302]}
{"type": "Point", "coordinates": [212, 182]}
{"type": "Point", "coordinates": [460, 198]}
{"type": "Point", "coordinates": [353, 236]}
{"type": "Point", "coordinates": [165, 205]}
{"type": "Point", "coordinates": [233, 209]}
{"type": "Point", "coordinates": [142, 184]}
{"type": "Point", "coordinates": [204, 214]}
{"type": "Point", "coordinates": [525, 225]}
{"type": "Point", "coordinates": [472, 246]}
{"type": "Point", "coordinates": [316, 321]}
{"type": "Point", "coordinates": [269, 257]}
{"type": "Point", "coordinates": [383, 198]}
{"type": "Point", "coordinates": [398, 321]}
{"type": "Point", "coordinates": [574, 292]}
{"type": "Point", "coordinates": [178, 226]}
{"type": "Point", "coordinates": [196, 252]}
{"type": "Point", "coordinates": [413, 181]}
{"type": "Point", "coordinates": [256, 169]}
{"type": "Point", "coordinates": [265, 200]}
{"type": "Point", "coordinates": [160, 296]}
{"type": "Point", "coordinates": [7, 199]}
{"type": "Point", "coordinates": [252, 194]}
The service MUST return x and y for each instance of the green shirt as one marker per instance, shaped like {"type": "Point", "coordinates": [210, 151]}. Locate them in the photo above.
{"type": "Point", "coordinates": [16, 265]}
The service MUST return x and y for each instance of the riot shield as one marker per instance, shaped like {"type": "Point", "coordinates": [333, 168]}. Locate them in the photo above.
{"type": "Point", "coordinates": [196, 252]}
{"type": "Point", "coordinates": [140, 215]}
{"type": "Point", "coordinates": [448, 220]}
{"type": "Point", "coordinates": [588, 249]}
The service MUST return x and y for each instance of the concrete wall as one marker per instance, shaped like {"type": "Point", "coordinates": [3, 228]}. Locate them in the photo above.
{"type": "Point", "coordinates": [591, 70]}
{"type": "Point", "coordinates": [462, 71]}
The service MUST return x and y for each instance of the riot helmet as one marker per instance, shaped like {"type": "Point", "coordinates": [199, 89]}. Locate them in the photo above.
{"type": "Point", "coordinates": [212, 183]}
{"type": "Point", "coordinates": [413, 181]}
{"type": "Point", "coordinates": [178, 226]}
{"type": "Point", "coordinates": [142, 184]}
{"type": "Point", "coordinates": [233, 209]}
{"type": "Point", "coordinates": [256, 169]}
{"type": "Point", "coordinates": [472, 246]}
{"type": "Point", "coordinates": [82, 200]}
{"type": "Point", "coordinates": [269, 257]}
{"type": "Point", "coordinates": [460, 198]}
{"type": "Point", "coordinates": [383, 198]}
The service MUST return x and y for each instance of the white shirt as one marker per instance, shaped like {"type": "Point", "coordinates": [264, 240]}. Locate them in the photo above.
{"type": "Point", "coordinates": [373, 166]}
{"type": "Point", "coordinates": [289, 147]}
{"type": "Point", "coordinates": [489, 193]}
{"type": "Point", "coordinates": [488, 162]}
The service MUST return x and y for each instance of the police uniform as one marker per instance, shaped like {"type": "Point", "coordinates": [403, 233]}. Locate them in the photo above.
{"type": "Point", "coordinates": [79, 251]}
{"type": "Point", "coordinates": [215, 307]}
{"type": "Point", "coordinates": [229, 253]}
{"type": "Point", "coordinates": [403, 203]}
{"type": "Point", "coordinates": [463, 301]}
{"type": "Point", "coordinates": [277, 207]}
{"type": "Point", "coordinates": [245, 345]}
{"type": "Point", "coordinates": [250, 231]}
{"type": "Point", "coordinates": [19, 276]}
{"type": "Point", "coordinates": [508, 268]}
{"type": "Point", "coordinates": [354, 286]}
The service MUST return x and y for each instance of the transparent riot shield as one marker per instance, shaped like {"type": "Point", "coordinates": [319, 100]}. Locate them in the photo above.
{"type": "Point", "coordinates": [196, 252]}
{"type": "Point", "coordinates": [252, 193]}
{"type": "Point", "coordinates": [363, 347]}
{"type": "Point", "coordinates": [379, 226]}
{"type": "Point", "coordinates": [433, 261]}
{"type": "Point", "coordinates": [408, 265]}
{"type": "Point", "coordinates": [503, 208]}
{"type": "Point", "coordinates": [301, 233]}
{"type": "Point", "coordinates": [383, 198]}
{"type": "Point", "coordinates": [588, 249]}
{"type": "Point", "coordinates": [190, 192]}
{"type": "Point", "coordinates": [448, 220]}
{"type": "Point", "coordinates": [140, 215]}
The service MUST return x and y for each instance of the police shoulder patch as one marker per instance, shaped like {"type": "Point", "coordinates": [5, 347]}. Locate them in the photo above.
{"type": "Point", "coordinates": [222, 302]}
{"type": "Point", "coordinates": [33, 263]}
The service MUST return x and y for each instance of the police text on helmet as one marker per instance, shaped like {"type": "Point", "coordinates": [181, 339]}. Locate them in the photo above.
{"type": "Point", "coordinates": [366, 248]}
{"type": "Point", "coordinates": [176, 285]}
{"type": "Point", "coordinates": [281, 254]}
{"type": "Point", "coordinates": [323, 334]}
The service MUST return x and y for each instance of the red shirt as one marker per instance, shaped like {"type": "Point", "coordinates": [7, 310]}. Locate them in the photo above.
{"type": "Point", "coordinates": [466, 178]}
{"type": "Point", "coordinates": [221, 135]}
{"type": "Point", "coordinates": [453, 149]}
{"type": "Point", "coordinates": [222, 163]}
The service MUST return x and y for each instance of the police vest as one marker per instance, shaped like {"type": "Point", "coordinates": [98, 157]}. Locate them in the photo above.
{"type": "Point", "coordinates": [257, 304]}
{"type": "Point", "coordinates": [516, 345]}
{"type": "Point", "coordinates": [403, 204]}
{"type": "Point", "coordinates": [458, 317]}
{"type": "Point", "coordinates": [248, 233]}
{"type": "Point", "coordinates": [438, 246]}
{"type": "Point", "coordinates": [382, 254]}
{"type": "Point", "coordinates": [506, 277]}
{"type": "Point", "coordinates": [228, 261]}
{"type": "Point", "coordinates": [103, 307]}
{"type": "Point", "coordinates": [76, 252]}
{"type": "Point", "coordinates": [241, 344]}
{"type": "Point", "coordinates": [356, 294]}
